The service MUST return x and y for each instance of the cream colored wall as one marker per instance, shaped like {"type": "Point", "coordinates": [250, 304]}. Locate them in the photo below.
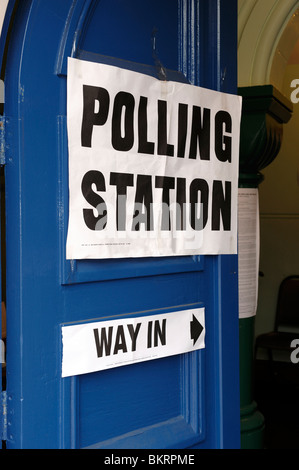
{"type": "Point", "coordinates": [268, 31]}
{"type": "Point", "coordinates": [279, 216]}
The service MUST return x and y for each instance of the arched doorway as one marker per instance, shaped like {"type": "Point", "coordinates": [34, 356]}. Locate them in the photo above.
{"type": "Point", "coordinates": [267, 34]}
{"type": "Point", "coordinates": [268, 54]}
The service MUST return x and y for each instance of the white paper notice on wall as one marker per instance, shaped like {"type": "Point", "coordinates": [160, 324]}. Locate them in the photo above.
{"type": "Point", "coordinates": [102, 345]}
{"type": "Point", "coordinates": [249, 250]}
{"type": "Point", "coordinates": [153, 165]}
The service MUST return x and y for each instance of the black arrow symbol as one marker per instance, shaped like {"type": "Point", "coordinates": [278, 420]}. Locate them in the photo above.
{"type": "Point", "coordinates": [195, 329]}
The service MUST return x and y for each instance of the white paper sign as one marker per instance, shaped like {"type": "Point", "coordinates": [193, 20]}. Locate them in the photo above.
{"type": "Point", "coordinates": [107, 344]}
{"type": "Point", "coordinates": [249, 251]}
{"type": "Point", "coordinates": [153, 165]}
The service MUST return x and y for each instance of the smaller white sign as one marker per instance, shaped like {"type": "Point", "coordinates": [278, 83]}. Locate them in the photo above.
{"type": "Point", "coordinates": [102, 345]}
{"type": "Point", "coordinates": [249, 251]}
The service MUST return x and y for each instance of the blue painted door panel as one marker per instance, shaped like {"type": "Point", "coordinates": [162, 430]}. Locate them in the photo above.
{"type": "Point", "coordinates": [185, 401]}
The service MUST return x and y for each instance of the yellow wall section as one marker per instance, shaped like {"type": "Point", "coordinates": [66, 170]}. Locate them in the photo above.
{"type": "Point", "coordinates": [268, 33]}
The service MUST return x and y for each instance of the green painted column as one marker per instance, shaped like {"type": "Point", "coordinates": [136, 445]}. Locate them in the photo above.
{"type": "Point", "coordinates": [264, 112]}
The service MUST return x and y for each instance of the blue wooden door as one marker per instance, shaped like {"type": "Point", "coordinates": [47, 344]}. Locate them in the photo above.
{"type": "Point", "coordinates": [183, 401]}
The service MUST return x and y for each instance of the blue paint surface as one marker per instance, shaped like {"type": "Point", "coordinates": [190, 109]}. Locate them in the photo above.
{"type": "Point", "coordinates": [180, 402]}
